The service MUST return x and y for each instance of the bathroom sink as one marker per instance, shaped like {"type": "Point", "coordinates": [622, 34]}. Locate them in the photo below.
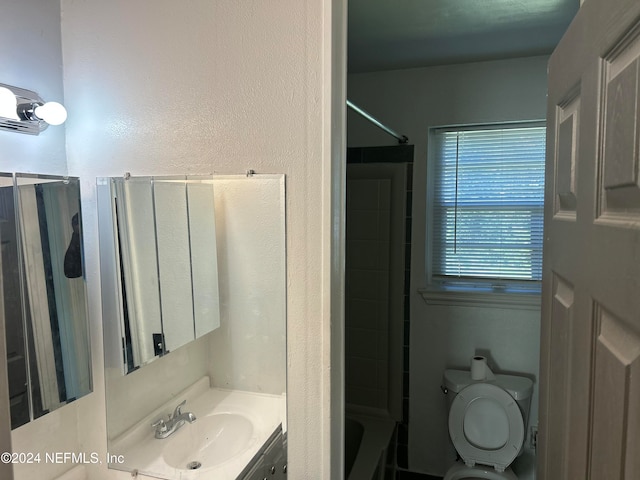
{"type": "Point", "coordinates": [208, 442]}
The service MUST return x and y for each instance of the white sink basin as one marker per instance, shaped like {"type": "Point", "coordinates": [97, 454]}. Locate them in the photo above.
{"type": "Point", "coordinates": [230, 429]}
{"type": "Point", "coordinates": [208, 442]}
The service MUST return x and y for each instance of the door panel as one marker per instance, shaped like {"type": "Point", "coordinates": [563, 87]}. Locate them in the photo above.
{"type": "Point", "coordinates": [620, 189]}
{"type": "Point", "coordinates": [590, 348]}
{"type": "Point", "coordinates": [561, 323]}
{"type": "Point", "coordinates": [568, 118]}
{"type": "Point", "coordinates": [616, 396]}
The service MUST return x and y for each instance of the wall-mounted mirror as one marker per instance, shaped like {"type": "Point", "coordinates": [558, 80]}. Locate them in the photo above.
{"type": "Point", "coordinates": [164, 246]}
{"type": "Point", "coordinates": [216, 404]}
{"type": "Point", "coordinates": [43, 294]}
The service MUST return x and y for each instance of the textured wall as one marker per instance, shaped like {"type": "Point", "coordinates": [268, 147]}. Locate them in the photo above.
{"type": "Point", "coordinates": [156, 87]}
{"type": "Point", "coordinates": [32, 59]}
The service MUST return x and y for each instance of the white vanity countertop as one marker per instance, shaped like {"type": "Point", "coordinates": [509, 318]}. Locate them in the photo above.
{"type": "Point", "coordinates": [141, 451]}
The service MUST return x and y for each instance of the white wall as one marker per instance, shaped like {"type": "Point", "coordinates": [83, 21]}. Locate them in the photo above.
{"type": "Point", "coordinates": [410, 102]}
{"type": "Point", "coordinates": [153, 87]}
{"type": "Point", "coordinates": [31, 58]}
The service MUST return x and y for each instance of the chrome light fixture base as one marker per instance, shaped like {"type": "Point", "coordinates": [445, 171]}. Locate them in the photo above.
{"type": "Point", "coordinates": [26, 103]}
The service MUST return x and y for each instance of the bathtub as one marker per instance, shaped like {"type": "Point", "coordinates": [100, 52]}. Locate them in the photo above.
{"type": "Point", "coordinates": [366, 442]}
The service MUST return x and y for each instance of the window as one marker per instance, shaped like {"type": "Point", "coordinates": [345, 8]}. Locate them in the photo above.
{"type": "Point", "coordinates": [487, 217]}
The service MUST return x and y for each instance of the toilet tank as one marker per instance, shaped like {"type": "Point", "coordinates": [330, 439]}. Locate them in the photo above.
{"type": "Point", "coordinates": [520, 388]}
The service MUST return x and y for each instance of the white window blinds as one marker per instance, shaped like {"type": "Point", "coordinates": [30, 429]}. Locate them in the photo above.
{"type": "Point", "coordinates": [488, 206]}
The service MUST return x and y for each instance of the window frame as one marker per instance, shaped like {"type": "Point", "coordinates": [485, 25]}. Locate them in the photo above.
{"type": "Point", "coordinates": [473, 292]}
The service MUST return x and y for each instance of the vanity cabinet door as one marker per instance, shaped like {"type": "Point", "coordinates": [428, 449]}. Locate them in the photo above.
{"type": "Point", "coordinates": [271, 464]}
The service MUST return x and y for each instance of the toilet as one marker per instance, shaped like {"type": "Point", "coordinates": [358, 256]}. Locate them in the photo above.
{"type": "Point", "coordinates": [488, 421]}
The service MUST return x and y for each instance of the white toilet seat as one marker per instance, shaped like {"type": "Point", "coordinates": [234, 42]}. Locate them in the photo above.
{"type": "Point", "coordinates": [482, 408]}
{"type": "Point", "coordinates": [460, 471]}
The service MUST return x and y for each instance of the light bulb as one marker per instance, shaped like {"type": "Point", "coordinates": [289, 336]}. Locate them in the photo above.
{"type": "Point", "coordinates": [51, 112]}
{"type": "Point", "coordinates": [8, 104]}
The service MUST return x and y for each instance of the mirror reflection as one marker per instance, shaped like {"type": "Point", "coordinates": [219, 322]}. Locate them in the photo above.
{"type": "Point", "coordinates": [166, 244]}
{"type": "Point", "coordinates": [216, 404]}
{"type": "Point", "coordinates": [12, 306]}
{"type": "Point", "coordinates": [43, 294]}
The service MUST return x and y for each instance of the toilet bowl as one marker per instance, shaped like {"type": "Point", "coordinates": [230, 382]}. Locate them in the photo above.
{"type": "Point", "coordinates": [487, 423]}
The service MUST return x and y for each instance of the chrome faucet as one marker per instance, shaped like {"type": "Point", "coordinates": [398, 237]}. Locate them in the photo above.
{"type": "Point", "coordinates": [175, 421]}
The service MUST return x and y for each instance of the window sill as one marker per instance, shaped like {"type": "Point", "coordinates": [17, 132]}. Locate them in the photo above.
{"type": "Point", "coordinates": [519, 301]}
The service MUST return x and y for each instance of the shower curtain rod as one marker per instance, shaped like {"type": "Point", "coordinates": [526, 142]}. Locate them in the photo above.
{"type": "Point", "coordinates": [377, 123]}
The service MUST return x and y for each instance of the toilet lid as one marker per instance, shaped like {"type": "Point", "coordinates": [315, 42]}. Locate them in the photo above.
{"type": "Point", "coordinates": [485, 425]}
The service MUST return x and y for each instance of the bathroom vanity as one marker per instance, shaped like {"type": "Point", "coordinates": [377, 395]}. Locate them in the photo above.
{"type": "Point", "coordinates": [193, 273]}
{"type": "Point", "coordinates": [230, 433]}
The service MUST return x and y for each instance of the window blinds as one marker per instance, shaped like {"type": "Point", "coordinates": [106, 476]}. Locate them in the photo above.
{"type": "Point", "coordinates": [488, 205]}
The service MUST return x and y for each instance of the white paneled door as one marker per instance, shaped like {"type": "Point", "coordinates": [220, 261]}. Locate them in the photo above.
{"type": "Point", "coordinates": [590, 348]}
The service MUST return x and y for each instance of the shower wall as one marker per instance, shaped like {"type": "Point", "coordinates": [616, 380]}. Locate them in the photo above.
{"type": "Point", "coordinates": [367, 292]}
{"type": "Point", "coordinates": [377, 279]}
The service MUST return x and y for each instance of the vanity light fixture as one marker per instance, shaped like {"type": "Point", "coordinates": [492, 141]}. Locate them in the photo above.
{"type": "Point", "coordinates": [23, 111]}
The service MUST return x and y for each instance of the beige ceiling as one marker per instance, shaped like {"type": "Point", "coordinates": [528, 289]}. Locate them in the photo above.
{"type": "Point", "coordinates": [392, 34]}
